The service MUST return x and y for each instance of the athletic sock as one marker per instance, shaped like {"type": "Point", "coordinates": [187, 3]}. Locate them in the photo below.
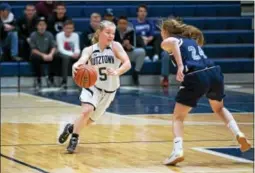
{"type": "Point", "coordinates": [178, 142]}
{"type": "Point", "coordinates": [233, 127]}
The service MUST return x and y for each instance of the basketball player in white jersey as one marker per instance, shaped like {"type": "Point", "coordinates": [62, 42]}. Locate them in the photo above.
{"type": "Point", "coordinates": [111, 61]}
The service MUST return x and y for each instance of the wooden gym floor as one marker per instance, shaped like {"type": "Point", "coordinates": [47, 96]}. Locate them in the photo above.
{"type": "Point", "coordinates": [135, 142]}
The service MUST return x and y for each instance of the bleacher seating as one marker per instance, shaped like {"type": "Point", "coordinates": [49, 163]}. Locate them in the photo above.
{"type": "Point", "coordinates": [229, 36]}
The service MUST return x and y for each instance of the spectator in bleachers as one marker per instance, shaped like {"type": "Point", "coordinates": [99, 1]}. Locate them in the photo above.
{"type": "Point", "coordinates": [87, 35]}
{"type": "Point", "coordinates": [43, 48]}
{"type": "Point", "coordinates": [26, 25]}
{"type": "Point", "coordinates": [56, 22]}
{"type": "Point", "coordinates": [3, 32]}
{"type": "Point", "coordinates": [68, 48]}
{"type": "Point", "coordinates": [146, 29]}
{"type": "Point", "coordinates": [109, 15]}
{"type": "Point", "coordinates": [9, 24]}
{"type": "Point", "coordinates": [131, 43]}
{"type": "Point", "coordinates": [45, 8]}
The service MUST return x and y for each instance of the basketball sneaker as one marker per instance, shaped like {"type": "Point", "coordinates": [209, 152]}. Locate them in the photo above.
{"type": "Point", "coordinates": [174, 158]}
{"type": "Point", "coordinates": [72, 145]}
{"type": "Point", "coordinates": [244, 143]}
{"type": "Point", "coordinates": [64, 135]}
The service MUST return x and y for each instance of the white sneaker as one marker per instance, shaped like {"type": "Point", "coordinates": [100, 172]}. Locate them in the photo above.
{"type": "Point", "coordinates": [155, 58]}
{"type": "Point", "coordinates": [147, 59]}
{"type": "Point", "coordinates": [244, 143]}
{"type": "Point", "coordinates": [174, 158]}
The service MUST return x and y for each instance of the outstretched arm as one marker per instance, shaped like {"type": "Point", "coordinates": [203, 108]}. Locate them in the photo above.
{"type": "Point", "coordinates": [122, 55]}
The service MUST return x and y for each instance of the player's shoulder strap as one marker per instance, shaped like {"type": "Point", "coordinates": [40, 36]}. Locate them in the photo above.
{"type": "Point", "coordinates": [95, 48]}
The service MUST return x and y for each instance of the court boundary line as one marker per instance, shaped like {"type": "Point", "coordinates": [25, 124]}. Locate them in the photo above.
{"type": "Point", "coordinates": [119, 142]}
{"type": "Point", "coordinates": [23, 163]}
{"type": "Point", "coordinates": [205, 150]}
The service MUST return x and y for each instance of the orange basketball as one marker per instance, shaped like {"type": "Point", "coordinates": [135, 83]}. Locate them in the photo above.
{"type": "Point", "coordinates": [85, 76]}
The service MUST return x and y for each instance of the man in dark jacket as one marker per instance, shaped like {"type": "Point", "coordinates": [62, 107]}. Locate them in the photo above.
{"type": "Point", "coordinates": [9, 25]}
{"type": "Point", "coordinates": [87, 35]}
{"type": "Point", "coordinates": [109, 15]}
{"type": "Point", "coordinates": [26, 25]}
{"type": "Point", "coordinates": [131, 44]}
{"type": "Point", "coordinates": [56, 22]}
{"type": "Point", "coordinates": [3, 33]}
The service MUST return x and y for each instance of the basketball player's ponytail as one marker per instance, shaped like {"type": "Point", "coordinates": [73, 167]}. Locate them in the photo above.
{"type": "Point", "coordinates": [175, 27]}
{"type": "Point", "coordinates": [95, 37]}
{"type": "Point", "coordinates": [103, 24]}
{"type": "Point", "coordinates": [194, 33]}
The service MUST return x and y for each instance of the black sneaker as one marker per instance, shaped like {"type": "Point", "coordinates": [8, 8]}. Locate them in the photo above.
{"type": "Point", "coordinates": [64, 135]}
{"type": "Point", "coordinates": [72, 145]}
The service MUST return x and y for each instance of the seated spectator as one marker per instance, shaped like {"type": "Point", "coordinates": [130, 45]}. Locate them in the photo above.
{"type": "Point", "coordinates": [56, 22]}
{"type": "Point", "coordinates": [109, 15]}
{"type": "Point", "coordinates": [26, 25]}
{"type": "Point", "coordinates": [145, 28]}
{"type": "Point", "coordinates": [43, 48]}
{"type": "Point", "coordinates": [3, 32]}
{"type": "Point", "coordinates": [45, 8]}
{"type": "Point", "coordinates": [128, 39]}
{"type": "Point", "coordinates": [87, 35]}
{"type": "Point", "coordinates": [11, 38]}
{"type": "Point", "coordinates": [68, 48]}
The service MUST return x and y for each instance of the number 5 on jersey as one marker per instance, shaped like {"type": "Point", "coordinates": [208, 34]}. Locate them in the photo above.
{"type": "Point", "coordinates": [102, 73]}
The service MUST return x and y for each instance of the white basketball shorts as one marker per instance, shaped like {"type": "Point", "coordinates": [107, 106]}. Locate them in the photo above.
{"type": "Point", "coordinates": [98, 98]}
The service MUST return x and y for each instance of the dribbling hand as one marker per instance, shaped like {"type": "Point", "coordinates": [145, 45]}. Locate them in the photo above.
{"type": "Point", "coordinates": [180, 75]}
{"type": "Point", "coordinates": [74, 69]}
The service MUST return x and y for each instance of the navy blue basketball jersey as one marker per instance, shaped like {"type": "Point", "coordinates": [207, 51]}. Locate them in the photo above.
{"type": "Point", "coordinates": [193, 57]}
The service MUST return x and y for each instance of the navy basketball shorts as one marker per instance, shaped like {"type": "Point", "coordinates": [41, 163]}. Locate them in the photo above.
{"type": "Point", "coordinates": [208, 82]}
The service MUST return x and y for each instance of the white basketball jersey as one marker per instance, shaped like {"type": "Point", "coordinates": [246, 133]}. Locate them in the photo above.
{"type": "Point", "coordinates": [102, 61]}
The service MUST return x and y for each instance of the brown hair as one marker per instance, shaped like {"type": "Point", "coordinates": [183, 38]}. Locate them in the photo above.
{"type": "Point", "coordinates": [142, 6]}
{"type": "Point", "coordinates": [175, 27]}
{"type": "Point", "coordinates": [68, 22]}
{"type": "Point", "coordinates": [102, 26]}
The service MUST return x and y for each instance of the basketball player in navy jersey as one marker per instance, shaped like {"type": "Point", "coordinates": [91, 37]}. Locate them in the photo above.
{"type": "Point", "coordinates": [198, 76]}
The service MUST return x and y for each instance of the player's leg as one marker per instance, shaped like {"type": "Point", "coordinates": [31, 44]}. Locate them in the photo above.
{"type": "Point", "coordinates": [219, 109]}
{"type": "Point", "coordinates": [215, 96]}
{"type": "Point", "coordinates": [79, 124]}
{"type": "Point", "coordinates": [89, 99]}
{"type": "Point", "coordinates": [180, 113]}
{"type": "Point", "coordinates": [191, 90]}
{"type": "Point", "coordinates": [69, 128]}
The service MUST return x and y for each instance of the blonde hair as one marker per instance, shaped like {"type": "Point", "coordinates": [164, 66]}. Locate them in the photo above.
{"type": "Point", "coordinates": [175, 27]}
{"type": "Point", "coordinates": [102, 26]}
